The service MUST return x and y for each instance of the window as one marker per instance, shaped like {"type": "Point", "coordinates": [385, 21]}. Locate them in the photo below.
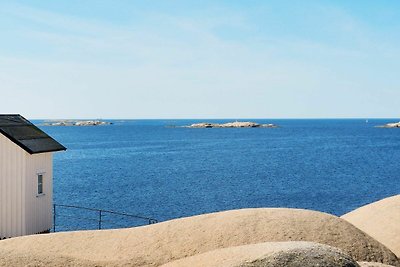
{"type": "Point", "coordinates": [40, 184]}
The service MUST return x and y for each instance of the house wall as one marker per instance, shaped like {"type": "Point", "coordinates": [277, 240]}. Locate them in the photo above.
{"type": "Point", "coordinates": [22, 210]}
{"type": "Point", "coordinates": [12, 189]}
{"type": "Point", "coordinates": [39, 208]}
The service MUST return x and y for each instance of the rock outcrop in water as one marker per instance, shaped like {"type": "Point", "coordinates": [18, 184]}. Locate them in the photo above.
{"type": "Point", "coordinates": [236, 124]}
{"type": "Point", "coordinates": [76, 123]}
{"type": "Point", "coordinates": [390, 125]}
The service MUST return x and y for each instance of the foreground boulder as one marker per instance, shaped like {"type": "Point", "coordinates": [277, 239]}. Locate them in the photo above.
{"type": "Point", "coordinates": [381, 220]}
{"type": "Point", "coordinates": [373, 264]}
{"type": "Point", "coordinates": [161, 243]}
{"type": "Point", "coordinates": [271, 254]}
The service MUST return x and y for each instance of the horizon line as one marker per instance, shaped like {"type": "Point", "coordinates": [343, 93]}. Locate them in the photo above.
{"type": "Point", "coordinates": [227, 118]}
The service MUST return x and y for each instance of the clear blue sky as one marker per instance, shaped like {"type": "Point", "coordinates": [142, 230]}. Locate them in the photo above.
{"type": "Point", "coordinates": [200, 59]}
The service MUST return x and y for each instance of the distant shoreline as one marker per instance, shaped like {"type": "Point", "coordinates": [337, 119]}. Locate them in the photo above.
{"type": "Point", "coordinates": [235, 124]}
{"type": "Point", "coordinates": [75, 123]}
{"type": "Point", "coordinates": [211, 119]}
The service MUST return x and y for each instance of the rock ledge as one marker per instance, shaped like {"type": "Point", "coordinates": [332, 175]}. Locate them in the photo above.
{"type": "Point", "coordinates": [390, 125]}
{"type": "Point", "coordinates": [236, 124]}
{"type": "Point", "coordinates": [76, 123]}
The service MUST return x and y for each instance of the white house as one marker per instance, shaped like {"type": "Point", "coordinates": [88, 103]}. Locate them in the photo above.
{"type": "Point", "coordinates": [26, 177]}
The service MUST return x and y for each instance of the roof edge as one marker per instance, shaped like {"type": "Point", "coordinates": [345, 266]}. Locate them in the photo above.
{"type": "Point", "coordinates": [27, 149]}
{"type": "Point", "coordinates": [15, 141]}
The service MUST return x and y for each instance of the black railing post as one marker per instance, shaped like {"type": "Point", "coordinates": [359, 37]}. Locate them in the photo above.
{"type": "Point", "coordinates": [54, 218]}
{"type": "Point", "coordinates": [100, 219]}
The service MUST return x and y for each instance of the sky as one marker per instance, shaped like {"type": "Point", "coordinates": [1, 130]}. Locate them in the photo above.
{"type": "Point", "coordinates": [200, 59]}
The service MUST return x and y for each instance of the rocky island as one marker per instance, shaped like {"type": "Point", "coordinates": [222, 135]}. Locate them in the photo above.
{"type": "Point", "coordinates": [390, 125]}
{"type": "Point", "coordinates": [236, 124]}
{"type": "Point", "coordinates": [76, 123]}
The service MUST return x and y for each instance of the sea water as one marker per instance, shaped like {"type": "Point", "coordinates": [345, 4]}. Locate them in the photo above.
{"type": "Point", "coordinates": [147, 167]}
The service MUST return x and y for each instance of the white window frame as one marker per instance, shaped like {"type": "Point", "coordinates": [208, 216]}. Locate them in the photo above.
{"type": "Point", "coordinates": [42, 184]}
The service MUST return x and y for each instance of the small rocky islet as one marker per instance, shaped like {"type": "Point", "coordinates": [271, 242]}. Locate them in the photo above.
{"type": "Point", "coordinates": [76, 123]}
{"type": "Point", "coordinates": [236, 124]}
{"type": "Point", "coordinates": [390, 125]}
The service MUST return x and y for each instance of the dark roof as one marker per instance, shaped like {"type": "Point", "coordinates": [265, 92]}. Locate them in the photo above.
{"type": "Point", "coordinates": [26, 135]}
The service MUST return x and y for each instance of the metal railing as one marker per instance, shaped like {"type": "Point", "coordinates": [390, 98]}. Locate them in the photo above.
{"type": "Point", "coordinates": [100, 216]}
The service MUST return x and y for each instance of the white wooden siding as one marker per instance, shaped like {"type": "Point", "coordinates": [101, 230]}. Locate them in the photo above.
{"type": "Point", "coordinates": [22, 212]}
{"type": "Point", "coordinates": [12, 188]}
{"type": "Point", "coordinates": [39, 216]}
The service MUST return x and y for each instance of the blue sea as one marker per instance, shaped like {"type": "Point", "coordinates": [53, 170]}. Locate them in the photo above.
{"type": "Point", "coordinates": [146, 167]}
